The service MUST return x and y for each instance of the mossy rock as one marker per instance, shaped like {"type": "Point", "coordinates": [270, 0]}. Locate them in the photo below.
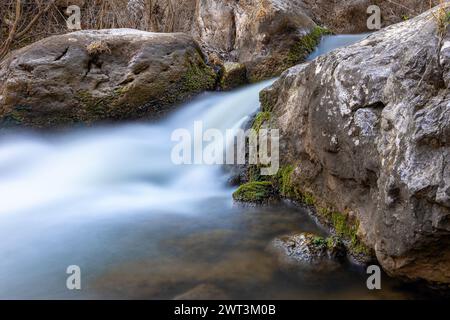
{"type": "Point", "coordinates": [102, 75]}
{"type": "Point", "coordinates": [198, 77]}
{"type": "Point", "coordinates": [293, 52]}
{"type": "Point", "coordinates": [255, 192]}
{"type": "Point", "coordinates": [344, 229]}
{"type": "Point", "coordinates": [347, 230]}
{"type": "Point", "coordinates": [267, 99]}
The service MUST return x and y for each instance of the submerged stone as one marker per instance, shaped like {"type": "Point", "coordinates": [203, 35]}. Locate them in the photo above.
{"type": "Point", "coordinates": [308, 251]}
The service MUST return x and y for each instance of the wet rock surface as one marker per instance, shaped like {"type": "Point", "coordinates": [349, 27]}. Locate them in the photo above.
{"type": "Point", "coordinates": [233, 75]}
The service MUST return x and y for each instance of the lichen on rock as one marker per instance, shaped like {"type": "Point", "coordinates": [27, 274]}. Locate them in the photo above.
{"type": "Point", "coordinates": [255, 192]}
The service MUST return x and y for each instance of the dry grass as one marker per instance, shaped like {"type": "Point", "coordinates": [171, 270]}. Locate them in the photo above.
{"type": "Point", "coordinates": [25, 21]}
{"type": "Point", "coordinates": [98, 47]}
{"type": "Point", "coordinates": [441, 17]}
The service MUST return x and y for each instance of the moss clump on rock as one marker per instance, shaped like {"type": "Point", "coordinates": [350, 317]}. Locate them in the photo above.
{"type": "Point", "coordinates": [198, 78]}
{"type": "Point", "coordinates": [346, 229]}
{"type": "Point", "coordinates": [260, 119]}
{"type": "Point", "coordinates": [307, 250]}
{"type": "Point", "coordinates": [319, 241]}
{"type": "Point", "coordinates": [284, 181]}
{"type": "Point", "coordinates": [255, 192]}
{"type": "Point", "coordinates": [288, 189]}
{"type": "Point", "coordinates": [333, 245]}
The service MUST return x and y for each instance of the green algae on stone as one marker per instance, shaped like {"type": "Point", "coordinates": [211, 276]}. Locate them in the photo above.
{"type": "Point", "coordinates": [260, 119]}
{"type": "Point", "coordinates": [343, 227]}
{"type": "Point", "coordinates": [96, 108]}
{"type": "Point", "coordinates": [346, 229]}
{"type": "Point", "coordinates": [198, 78]}
{"type": "Point", "coordinates": [254, 192]}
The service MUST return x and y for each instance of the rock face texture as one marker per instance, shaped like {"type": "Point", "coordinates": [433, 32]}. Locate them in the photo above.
{"type": "Point", "coordinates": [265, 35]}
{"type": "Point", "coordinates": [90, 76]}
{"type": "Point", "coordinates": [366, 129]}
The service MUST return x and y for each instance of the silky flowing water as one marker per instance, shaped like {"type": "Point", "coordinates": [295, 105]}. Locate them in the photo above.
{"type": "Point", "coordinates": [111, 201]}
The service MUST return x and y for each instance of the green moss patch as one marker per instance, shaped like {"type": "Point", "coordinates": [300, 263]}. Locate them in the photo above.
{"type": "Point", "coordinates": [198, 78]}
{"type": "Point", "coordinates": [346, 229]}
{"type": "Point", "coordinates": [255, 192]}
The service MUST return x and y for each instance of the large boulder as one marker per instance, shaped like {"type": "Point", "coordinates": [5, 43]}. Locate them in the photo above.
{"type": "Point", "coordinates": [88, 76]}
{"type": "Point", "coordinates": [267, 36]}
{"type": "Point", "coordinates": [366, 132]}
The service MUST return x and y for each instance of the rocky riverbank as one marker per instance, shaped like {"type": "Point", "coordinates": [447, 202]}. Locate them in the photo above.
{"type": "Point", "coordinates": [365, 140]}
